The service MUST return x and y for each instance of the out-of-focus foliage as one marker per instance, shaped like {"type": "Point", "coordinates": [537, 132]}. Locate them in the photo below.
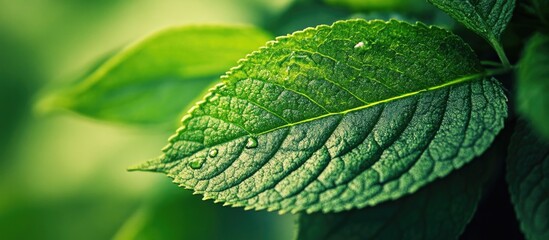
{"type": "Point", "coordinates": [527, 167]}
{"type": "Point", "coordinates": [169, 213]}
{"type": "Point", "coordinates": [541, 9]}
{"type": "Point", "coordinates": [17, 82]}
{"type": "Point", "coordinates": [63, 177]}
{"type": "Point", "coordinates": [533, 83]}
{"type": "Point", "coordinates": [151, 81]}
{"type": "Point", "coordinates": [304, 14]}
{"type": "Point", "coordinates": [373, 5]}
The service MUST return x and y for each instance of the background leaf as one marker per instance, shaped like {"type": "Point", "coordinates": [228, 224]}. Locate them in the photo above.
{"type": "Point", "coordinates": [153, 80]}
{"type": "Point", "coordinates": [62, 176]}
{"type": "Point", "coordinates": [527, 167]}
{"type": "Point", "coordinates": [337, 117]}
{"type": "Point", "coordinates": [18, 80]}
{"type": "Point", "coordinates": [303, 14]}
{"type": "Point", "coordinates": [441, 210]}
{"type": "Point", "coordinates": [533, 83]}
{"type": "Point", "coordinates": [488, 18]}
{"type": "Point", "coordinates": [541, 9]}
{"type": "Point", "coordinates": [369, 5]}
{"type": "Point", "coordinates": [168, 213]}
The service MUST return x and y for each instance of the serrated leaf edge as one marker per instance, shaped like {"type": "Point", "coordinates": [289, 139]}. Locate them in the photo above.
{"type": "Point", "coordinates": [156, 164]}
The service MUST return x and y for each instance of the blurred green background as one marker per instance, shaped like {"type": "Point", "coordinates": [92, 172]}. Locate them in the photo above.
{"type": "Point", "coordinates": [63, 176]}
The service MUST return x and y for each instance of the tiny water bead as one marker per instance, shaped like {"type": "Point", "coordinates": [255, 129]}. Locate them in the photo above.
{"type": "Point", "coordinates": [252, 143]}
{"type": "Point", "coordinates": [362, 46]}
{"type": "Point", "coordinates": [213, 152]}
{"type": "Point", "coordinates": [196, 163]}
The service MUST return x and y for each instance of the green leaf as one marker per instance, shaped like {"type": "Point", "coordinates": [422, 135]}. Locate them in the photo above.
{"type": "Point", "coordinates": [337, 117]}
{"type": "Point", "coordinates": [527, 168]}
{"type": "Point", "coordinates": [488, 18]}
{"type": "Point", "coordinates": [153, 80]}
{"type": "Point", "coordinates": [533, 83]}
{"type": "Point", "coordinates": [303, 14]}
{"type": "Point", "coordinates": [167, 213]}
{"type": "Point", "coordinates": [441, 210]}
{"type": "Point", "coordinates": [541, 9]}
{"type": "Point", "coordinates": [378, 5]}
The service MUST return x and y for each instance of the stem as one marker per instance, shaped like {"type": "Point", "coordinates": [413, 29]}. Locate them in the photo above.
{"type": "Point", "coordinates": [491, 63]}
{"type": "Point", "coordinates": [499, 50]}
{"type": "Point", "coordinates": [497, 71]}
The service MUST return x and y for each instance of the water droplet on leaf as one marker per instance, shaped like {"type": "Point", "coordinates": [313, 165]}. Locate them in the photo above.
{"type": "Point", "coordinates": [359, 45]}
{"type": "Point", "coordinates": [252, 142]}
{"type": "Point", "coordinates": [196, 163]}
{"type": "Point", "coordinates": [213, 152]}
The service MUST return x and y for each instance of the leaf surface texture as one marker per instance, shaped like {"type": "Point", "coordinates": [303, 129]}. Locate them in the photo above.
{"type": "Point", "coordinates": [337, 117]}
{"type": "Point", "coordinates": [488, 18]}
{"type": "Point", "coordinates": [441, 210]}
{"type": "Point", "coordinates": [527, 174]}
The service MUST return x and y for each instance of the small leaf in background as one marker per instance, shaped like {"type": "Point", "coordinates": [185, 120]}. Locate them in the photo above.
{"type": "Point", "coordinates": [152, 81]}
{"type": "Point", "coordinates": [337, 117]}
{"type": "Point", "coordinates": [488, 18]}
{"type": "Point", "coordinates": [303, 14]}
{"type": "Point", "coordinates": [528, 178]}
{"type": "Point", "coordinates": [441, 210]}
{"type": "Point", "coordinates": [533, 83]}
{"type": "Point", "coordinates": [18, 81]}
{"type": "Point", "coordinates": [541, 9]}
{"type": "Point", "coordinates": [373, 5]}
{"type": "Point", "coordinates": [168, 213]}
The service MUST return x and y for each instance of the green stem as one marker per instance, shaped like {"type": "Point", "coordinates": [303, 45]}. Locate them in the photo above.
{"type": "Point", "coordinates": [491, 63]}
{"type": "Point", "coordinates": [499, 50]}
{"type": "Point", "coordinates": [497, 71]}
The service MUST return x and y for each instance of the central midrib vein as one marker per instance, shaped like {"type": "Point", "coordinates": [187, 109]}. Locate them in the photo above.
{"type": "Point", "coordinates": [450, 83]}
{"type": "Point", "coordinates": [447, 84]}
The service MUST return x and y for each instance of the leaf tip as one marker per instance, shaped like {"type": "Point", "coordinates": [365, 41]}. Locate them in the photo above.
{"type": "Point", "coordinates": [51, 102]}
{"type": "Point", "coordinates": [153, 165]}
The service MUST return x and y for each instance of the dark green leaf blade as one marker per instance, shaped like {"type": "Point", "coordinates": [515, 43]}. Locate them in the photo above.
{"type": "Point", "coordinates": [527, 168]}
{"type": "Point", "coordinates": [533, 83]}
{"type": "Point", "coordinates": [337, 117]}
{"type": "Point", "coordinates": [441, 210]}
{"type": "Point", "coordinates": [488, 18]}
{"type": "Point", "coordinates": [541, 9]}
{"type": "Point", "coordinates": [168, 213]}
{"type": "Point", "coordinates": [386, 5]}
{"type": "Point", "coordinates": [153, 80]}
